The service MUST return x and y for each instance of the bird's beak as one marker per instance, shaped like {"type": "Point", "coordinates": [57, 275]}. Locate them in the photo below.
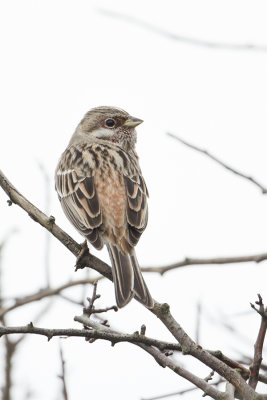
{"type": "Point", "coordinates": [132, 122]}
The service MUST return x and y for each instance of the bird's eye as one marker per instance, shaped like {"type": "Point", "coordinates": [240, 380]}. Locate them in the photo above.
{"type": "Point", "coordinates": [110, 123]}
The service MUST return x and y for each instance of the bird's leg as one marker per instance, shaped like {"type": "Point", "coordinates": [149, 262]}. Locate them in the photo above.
{"type": "Point", "coordinates": [84, 251]}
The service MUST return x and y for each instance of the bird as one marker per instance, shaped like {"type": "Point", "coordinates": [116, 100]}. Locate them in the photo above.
{"type": "Point", "coordinates": [104, 195]}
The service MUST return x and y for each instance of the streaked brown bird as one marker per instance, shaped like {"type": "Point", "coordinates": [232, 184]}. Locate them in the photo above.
{"type": "Point", "coordinates": [103, 193]}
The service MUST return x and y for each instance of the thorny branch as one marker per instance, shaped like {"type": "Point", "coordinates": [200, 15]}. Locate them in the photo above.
{"type": "Point", "coordinates": [162, 311]}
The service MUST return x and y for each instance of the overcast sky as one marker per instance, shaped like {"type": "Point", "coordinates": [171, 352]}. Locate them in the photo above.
{"type": "Point", "coordinates": [61, 58]}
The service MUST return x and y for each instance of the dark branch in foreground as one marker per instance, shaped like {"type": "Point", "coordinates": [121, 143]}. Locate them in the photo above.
{"type": "Point", "coordinates": [118, 338]}
{"type": "Point", "coordinates": [161, 358]}
{"type": "Point", "coordinates": [162, 311]}
{"type": "Point", "coordinates": [218, 161]}
{"type": "Point", "coordinates": [89, 334]}
{"type": "Point", "coordinates": [180, 38]}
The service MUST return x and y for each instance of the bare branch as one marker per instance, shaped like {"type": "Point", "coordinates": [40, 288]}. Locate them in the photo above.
{"type": "Point", "coordinates": [218, 161]}
{"type": "Point", "coordinates": [62, 376]}
{"type": "Point", "coordinates": [180, 38]}
{"type": "Point", "coordinates": [257, 258]}
{"type": "Point", "coordinates": [160, 357]}
{"type": "Point", "coordinates": [162, 311]}
{"type": "Point", "coordinates": [230, 391]}
{"type": "Point", "coordinates": [91, 334]}
{"type": "Point", "coordinates": [91, 308]}
{"type": "Point", "coordinates": [198, 321]}
{"type": "Point", "coordinates": [200, 383]}
{"type": "Point", "coordinates": [47, 235]}
{"type": "Point", "coordinates": [236, 365]}
{"type": "Point", "coordinates": [209, 377]}
{"type": "Point", "coordinates": [43, 293]}
{"type": "Point", "coordinates": [179, 393]}
{"type": "Point", "coordinates": [10, 347]}
{"type": "Point", "coordinates": [256, 363]}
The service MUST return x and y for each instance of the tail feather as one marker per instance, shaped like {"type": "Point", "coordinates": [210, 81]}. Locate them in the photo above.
{"type": "Point", "coordinates": [140, 288]}
{"type": "Point", "coordinates": [123, 277]}
{"type": "Point", "coordinates": [128, 279]}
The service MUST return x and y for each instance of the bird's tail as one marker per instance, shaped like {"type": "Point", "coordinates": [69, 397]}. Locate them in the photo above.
{"type": "Point", "coordinates": [128, 279]}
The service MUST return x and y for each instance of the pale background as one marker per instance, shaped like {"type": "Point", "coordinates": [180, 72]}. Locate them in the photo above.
{"type": "Point", "coordinates": [59, 59]}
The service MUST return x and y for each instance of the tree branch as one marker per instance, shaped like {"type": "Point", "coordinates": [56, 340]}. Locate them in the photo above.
{"type": "Point", "coordinates": [257, 258]}
{"type": "Point", "coordinates": [256, 363]}
{"type": "Point", "coordinates": [162, 311]}
{"type": "Point", "coordinates": [62, 376]}
{"type": "Point", "coordinates": [90, 334]}
{"type": "Point", "coordinates": [218, 161]}
{"type": "Point", "coordinates": [43, 293]}
{"type": "Point", "coordinates": [180, 38]}
{"type": "Point", "coordinates": [229, 392]}
{"type": "Point", "coordinates": [159, 356]}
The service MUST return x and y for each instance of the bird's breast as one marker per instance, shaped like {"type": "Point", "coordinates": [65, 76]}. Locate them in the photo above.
{"type": "Point", "coordinates": [112, 196]}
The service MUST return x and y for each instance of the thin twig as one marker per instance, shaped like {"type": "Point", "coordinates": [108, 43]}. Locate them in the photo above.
{"type": "Point", "coordinates": [63, 374]}
{"type": "Point", "coordinates": [180, 38]}
{"type": "Point", "coordinates": [10, 346]}
{"type": "Point", "coordinates": [180, 392]}
{"type": "Point", "coordinates": [188, 261]}
{"type": "Point", "coordinates": [43, 293]}
{"type": "Point", "coordinates": [257, 359]}
{"type": "Point", "coordinates": [47, 202]}
{"type": "Point", "coordinates": [218, 161]}
{"type": "Point", "coordinates": [198, 321]}
{"type": "Point", "coordinates": [91, 308]}
{"type": "Point", "coordinates": [209, 377]}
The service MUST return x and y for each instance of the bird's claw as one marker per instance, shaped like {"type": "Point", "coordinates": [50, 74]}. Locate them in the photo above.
{"type": "Point", "coordinates": [84, 251]}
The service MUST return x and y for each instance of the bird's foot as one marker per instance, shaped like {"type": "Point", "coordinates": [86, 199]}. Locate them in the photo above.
{"type": "Point", "coordinates": [80, 264]}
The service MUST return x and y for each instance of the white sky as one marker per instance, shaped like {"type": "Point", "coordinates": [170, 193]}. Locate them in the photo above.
{"type": "Point", "coordinates": [59, 59]}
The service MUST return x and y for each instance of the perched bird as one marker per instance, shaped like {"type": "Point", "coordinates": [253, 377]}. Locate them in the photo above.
{"type": "Point", "coordinates": [103, 193]}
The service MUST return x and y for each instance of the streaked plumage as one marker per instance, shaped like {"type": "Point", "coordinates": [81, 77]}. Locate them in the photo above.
{"type": "Point", "coordinates": [103, 193]}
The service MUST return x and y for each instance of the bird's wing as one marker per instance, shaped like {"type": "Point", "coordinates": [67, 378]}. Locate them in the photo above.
{"type": "Point", "coordinates": [78, 196]}
{"type": "Point", "coordinates": [136, 209]}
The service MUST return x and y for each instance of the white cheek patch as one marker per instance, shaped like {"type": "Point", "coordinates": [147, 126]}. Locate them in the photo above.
{"type": "Point", "coordinates": [102, 133]}
{"type": "Point", "coordinates": [68, 171]}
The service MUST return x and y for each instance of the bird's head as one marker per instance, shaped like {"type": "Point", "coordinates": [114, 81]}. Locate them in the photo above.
{"type": "Point", "coordinates": [109, 124]}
